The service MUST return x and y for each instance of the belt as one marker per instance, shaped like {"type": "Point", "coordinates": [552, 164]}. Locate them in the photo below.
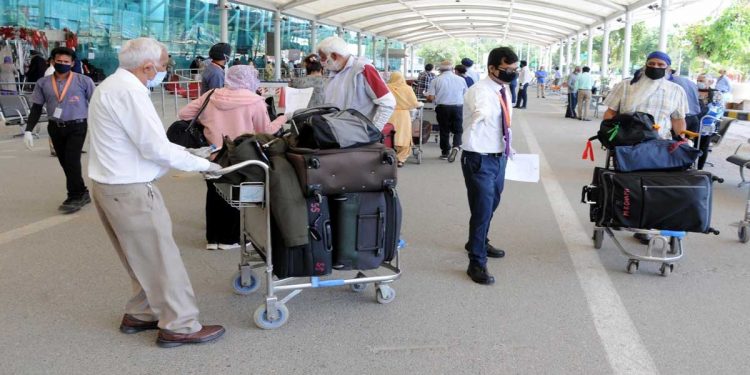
{"type": "Point", "coordinates": [449, 105]}
{"type": "Point", "coordinates": [492, 154]}
{"type": "Point", "coordinates": [63, 124]}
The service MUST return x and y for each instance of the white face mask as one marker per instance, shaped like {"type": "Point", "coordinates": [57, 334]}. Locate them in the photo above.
{"type": "Point", "coordinates": [330, 64]}
{"type": "Point", "coordinates": [701, 85]}
{"type": "Point", "coordinates": [158, 78]}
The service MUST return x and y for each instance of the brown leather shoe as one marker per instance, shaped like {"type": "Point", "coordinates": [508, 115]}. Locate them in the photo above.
{"type": "Point", "coordinates": [168, 339]}
{"type": "Point", "coordinates": [131, 324]}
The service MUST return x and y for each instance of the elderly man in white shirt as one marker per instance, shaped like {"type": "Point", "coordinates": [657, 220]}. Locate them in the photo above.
{"type": "Point", "coordinates": [129, 151]}
{"type": "Point", "coordinates": [486, 146]}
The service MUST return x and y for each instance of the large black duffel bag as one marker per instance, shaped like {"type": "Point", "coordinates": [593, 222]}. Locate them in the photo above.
{"type": "Point", "coordinates": [678, 201]}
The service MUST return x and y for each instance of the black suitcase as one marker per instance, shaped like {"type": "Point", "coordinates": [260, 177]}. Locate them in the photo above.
{"type": "Point", "coordinates": [313, 259]}
{"type": "Point", "coordinates": [338, 171]}
{"type": "Point", "coordinates": [366, 229]}
{"type": "Point", "coordinates": [679, 200]}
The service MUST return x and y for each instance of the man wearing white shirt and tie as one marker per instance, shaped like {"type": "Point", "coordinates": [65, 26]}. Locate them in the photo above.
{"type": "Point", "coordinates": [129, 151]}
{"type": "Point", "coordinates": [486, 145]}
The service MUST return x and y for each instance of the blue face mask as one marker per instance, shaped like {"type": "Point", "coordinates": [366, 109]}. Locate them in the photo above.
{"type": "Point", "coordinates": [158, 78]}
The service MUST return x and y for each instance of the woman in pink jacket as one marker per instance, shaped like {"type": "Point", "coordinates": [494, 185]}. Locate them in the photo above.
{"type": "Point", "coordinates": [232, 111]}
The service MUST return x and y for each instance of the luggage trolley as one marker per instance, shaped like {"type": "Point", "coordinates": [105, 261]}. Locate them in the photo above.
{"type": "Point", "coordinates": [252, 199]}
{"type": "Point", "coordinates": [665, 246]}
{"type": "Point", "coordinates": [417, 117]}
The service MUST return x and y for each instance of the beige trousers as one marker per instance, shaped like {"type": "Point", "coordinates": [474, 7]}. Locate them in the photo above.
{"type": "Point", "coordinates": [584, 102]}
{"type": "Point", "coordinates": [402, 153]}
{"type": "Point", "coordinates": [139, 226]}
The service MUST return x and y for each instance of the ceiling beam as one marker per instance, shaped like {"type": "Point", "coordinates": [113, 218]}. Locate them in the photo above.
{"type": "Point", "coordinates": [476, 17]}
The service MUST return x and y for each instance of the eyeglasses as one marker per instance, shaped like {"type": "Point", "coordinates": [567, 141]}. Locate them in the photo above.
{"type": "Point", "coordinates": [507, 69]}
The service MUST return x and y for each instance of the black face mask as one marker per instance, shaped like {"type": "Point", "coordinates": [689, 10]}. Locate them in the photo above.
{"type": "Point", "coordinates": [655, 73]}
{"type": "Point", "coordinates": [505, 76]}
{"type": "Point", "coordinates": [62, 68]}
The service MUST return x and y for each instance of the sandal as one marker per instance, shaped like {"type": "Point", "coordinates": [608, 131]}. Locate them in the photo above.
{"type": "Point", "coordinates": [400, 164]}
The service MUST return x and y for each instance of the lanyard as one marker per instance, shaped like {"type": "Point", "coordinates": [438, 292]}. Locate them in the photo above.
{"type": "Point", "coordinates": [65, 89]}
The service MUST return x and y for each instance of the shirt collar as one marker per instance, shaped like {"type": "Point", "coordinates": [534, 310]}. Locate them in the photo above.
{"type": "Point", "coordinates": [129, 77]}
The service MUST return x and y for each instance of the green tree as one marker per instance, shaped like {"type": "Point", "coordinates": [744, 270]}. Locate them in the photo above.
{"type": "Point", "coordinates": [726, 40]}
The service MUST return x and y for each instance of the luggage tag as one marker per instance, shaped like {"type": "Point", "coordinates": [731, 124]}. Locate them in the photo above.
{"type": "Point", "coordinates": [58, 113]}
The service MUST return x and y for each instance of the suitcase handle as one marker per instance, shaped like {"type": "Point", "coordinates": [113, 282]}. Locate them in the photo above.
{"type": "Point", "coordinates": [328, 236]}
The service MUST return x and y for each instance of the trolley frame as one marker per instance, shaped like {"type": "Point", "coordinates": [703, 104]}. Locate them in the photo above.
{"type": "Point", "coordinates": [255, 209]}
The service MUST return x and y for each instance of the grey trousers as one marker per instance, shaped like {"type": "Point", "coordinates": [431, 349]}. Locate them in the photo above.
{"type": "Point", "coordinates": [139, 226]}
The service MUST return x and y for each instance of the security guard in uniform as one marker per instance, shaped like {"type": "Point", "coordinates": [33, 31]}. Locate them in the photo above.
{"type": "Point", "coordinates": [66, 96]}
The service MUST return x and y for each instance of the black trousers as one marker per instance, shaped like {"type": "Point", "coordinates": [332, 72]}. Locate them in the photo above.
{"type": "Point", "coordinates": [522, 98]}
{"type": "Point", "coordinates": [450, 120]}
{"type": "Point", "coordinates": [572, 103]}
{"type": "Point", "coordinates": [222, 220]}
{"type": "Point", "coordinates": [68, 143]}
{"type": "Point", "coordinates": [693, 124]}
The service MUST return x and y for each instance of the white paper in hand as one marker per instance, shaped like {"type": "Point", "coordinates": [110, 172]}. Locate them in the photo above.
{"type": "Point", "coordinates": [523, 167]}
{"type": "Point", "coordinates": [296, 99]}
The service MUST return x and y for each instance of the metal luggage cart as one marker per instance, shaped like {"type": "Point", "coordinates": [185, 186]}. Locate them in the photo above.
{"type": "Point", "coordinates": [429, 114]}
{"type": "Point", "coordinates": [417, 117]}
{"type": "Point", "coordinates": [665, 246]}
{"type": "Point", "coordinates": [252, 199]}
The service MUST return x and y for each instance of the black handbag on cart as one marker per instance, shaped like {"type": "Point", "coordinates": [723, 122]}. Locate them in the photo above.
{"type": "Point", "coordinates": [189, 134]}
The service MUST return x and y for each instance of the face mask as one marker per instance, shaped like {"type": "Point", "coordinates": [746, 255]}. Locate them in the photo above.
{"type": "Point", "coordinates": [156, 80]}
{"type": "Point", "coordinates": [62, 68]}
{"type": "Point", "coordinates": [655, 73]}
{"type": "Point", "coordinates": [330, 64]}
{"type": "Point", "coordinates": [505, 76]}
{"type": "Point", "coordinates": [701, 86]}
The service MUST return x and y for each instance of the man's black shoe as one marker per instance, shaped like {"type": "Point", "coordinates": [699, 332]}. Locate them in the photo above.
{"type": "Point", "coordinates": [492, 252]}
{"type": "Point", "coordinates": [443, 157]}
{"type": "Point", "coordinates": [480, 275]}
{"type": "Point", "coordinates": [65, 203]}
{"type": "Point", "coordinates": [76, 204]}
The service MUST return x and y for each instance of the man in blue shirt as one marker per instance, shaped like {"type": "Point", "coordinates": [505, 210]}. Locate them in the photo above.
{"type": "Point", "coordinates": [723, 84]}
{"type": "Point", "coordinates": [213, 75]}
{"type": "Point", "coordinates": [541, 77]}
{"type": "Point", "coordinates": [447, 92]}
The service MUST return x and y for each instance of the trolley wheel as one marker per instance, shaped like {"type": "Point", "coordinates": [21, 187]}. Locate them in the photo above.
{"type": "Point", "coordinates": [245, 289]}
{"type": "Point", "coordinates": [598, 238]}
{"type": "Point", "coordinates": [358, 288]}
{"type": "Point", "coordinates": [419, 157]}
{"type": "Point", "coordinates": [666, 269]}
{"type": "Point", "coordinates": [261, 317]}
{"type": "Point", "coordinates": [385, 294]}
{"type": "Point", "coordinates": [632, 266]}
{"type": "Point", "coordinates": [743, 234]}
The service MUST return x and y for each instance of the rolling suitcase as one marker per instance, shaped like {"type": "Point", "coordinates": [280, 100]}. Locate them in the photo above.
{"type": "Point", "coordinates": [678, 201]}
{"type": "Point", "coordinates": [338, 171]}
{"type": "Point", "coordinates": [366, 229]}
{"type": "Point", "coordinates": [313, 259]}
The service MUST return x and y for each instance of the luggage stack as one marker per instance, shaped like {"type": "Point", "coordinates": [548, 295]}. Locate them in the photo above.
{"type": "Point", "coordinates": [329, 202]}
{"type": "Point", "coordinates": [647, 187]}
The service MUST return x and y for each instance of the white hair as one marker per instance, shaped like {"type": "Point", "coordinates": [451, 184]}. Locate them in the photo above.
{"type": "Point", "coordinates": [333, 44]}
{"type": "Point", "coordinates": [136, 52]}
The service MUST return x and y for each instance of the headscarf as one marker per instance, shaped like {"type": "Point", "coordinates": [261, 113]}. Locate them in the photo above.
{"type": "Point", "coordinates": [7, 60]}
{"type": "Point", "coordinates": [399, 88]}
{"type": "Point", "coordinates": [242, 77]}
{"type": "Point", "coordinates": [659, 55]}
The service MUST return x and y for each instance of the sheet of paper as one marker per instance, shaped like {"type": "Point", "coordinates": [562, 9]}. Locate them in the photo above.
{"type": "Point", "coordinates": [523, 167]}
{"type": "Point", "coordinates": [296, 99]}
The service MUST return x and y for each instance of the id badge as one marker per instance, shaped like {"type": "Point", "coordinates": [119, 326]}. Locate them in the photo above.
{"type": "Point", "coordinates": [58, 113]}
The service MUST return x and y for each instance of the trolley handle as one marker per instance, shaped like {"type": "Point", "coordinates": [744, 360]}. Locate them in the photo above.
{"type": "Point", "coordinates": [217, 174]}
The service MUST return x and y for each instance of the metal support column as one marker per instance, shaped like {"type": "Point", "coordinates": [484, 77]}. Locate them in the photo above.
{"type": "Point", "coordinates": [664, 9]}
{"type": "Point", "coordinates": [577, 60]}
{"type": "Point", "coordinates": [313, 36]}
{"type": "Point", "coordinates": [223, 21]}
{"type": "Point", "coordinates": [277, 45]}
{"type": "Point", "coordinates": [605, 53]}
{"type": "Point", "coordinates": [386, 58]}
{"type": "Point", "coordinates": [590, 50]}
{"type": "Point", "coordinates": [412, 60]}
{"type": "Point", "coordinates": [627, 44]}
{"type": "Point", "coordinates": [359, 44]}
{"type": "Point", "coordinates": [562, 54]}
{"type": "Point", "coordinates": [374, 51]}
{"type": "Point", "coordinates": [568, 52]}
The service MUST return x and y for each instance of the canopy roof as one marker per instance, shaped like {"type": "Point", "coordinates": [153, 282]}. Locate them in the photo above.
{"type": "Point", "coordinates": [539, 22]}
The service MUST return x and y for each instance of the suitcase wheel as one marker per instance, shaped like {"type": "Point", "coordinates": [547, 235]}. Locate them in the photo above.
{"type": "Point", "coordinates": [598, 238]}
{"type": "Point", "coordinates": [385, 294]}
{"type": "Point", "coordinates": [313, 163]}
{"type": "Point", "coordinates": [632, 266]}
{"type": "Point", "coordinates": [251, 285]}
{"type": "Point", "coordinates": [389, 159]}
{"type": "Point", "coordinates": [262, 320]}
